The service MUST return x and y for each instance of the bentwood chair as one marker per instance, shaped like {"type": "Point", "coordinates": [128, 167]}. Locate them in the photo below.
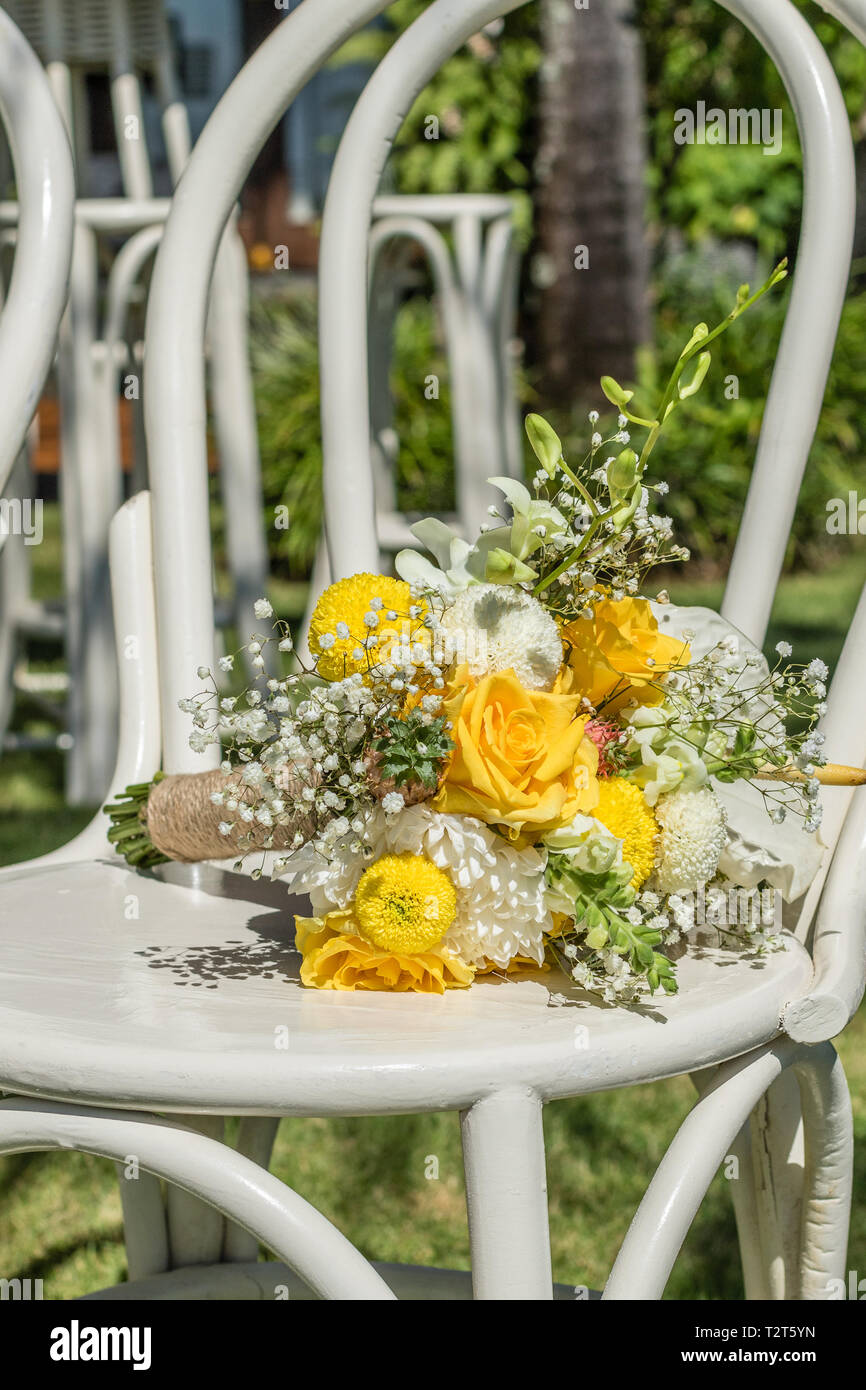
{"type": "Point", "coordinates": [101, 1039]}
{"type": "Point", "coordinates": [128, 40]}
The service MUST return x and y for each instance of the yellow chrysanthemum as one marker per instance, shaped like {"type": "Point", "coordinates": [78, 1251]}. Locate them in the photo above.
{"type": "Point", "coordinates": [404, 903]}
{"type": "Point", "coordinates": [623, 809]}
{"type": "Point", "coordinates": [343, 608]}
{"type": "Point", "coordinates": [336, 957]}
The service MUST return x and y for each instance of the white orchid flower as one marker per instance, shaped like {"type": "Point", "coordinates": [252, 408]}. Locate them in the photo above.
{"type": "Point", "coordinates": [529, 516]}
{"type": "Point", "coordinates": [449, 576]}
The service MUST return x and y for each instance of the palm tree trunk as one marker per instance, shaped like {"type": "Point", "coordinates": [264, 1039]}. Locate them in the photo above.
{"type": "Point", "coordinates": [594, 261]}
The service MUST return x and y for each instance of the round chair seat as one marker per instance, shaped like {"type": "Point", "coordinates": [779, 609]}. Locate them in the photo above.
{"type": "Point", "coordinates": [179, 990]}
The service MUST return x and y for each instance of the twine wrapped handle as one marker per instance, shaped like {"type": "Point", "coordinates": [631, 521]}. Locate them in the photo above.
{"type": "Point", "coordinates": [175, 818]}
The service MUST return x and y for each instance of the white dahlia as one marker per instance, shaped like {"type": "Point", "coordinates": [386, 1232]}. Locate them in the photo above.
{"type": "Point", "coordinates": [501, 911]}
{"type": "Point", "coordinates": [692, 833]}
{"type": "Point", "coordinates": [494, 627]}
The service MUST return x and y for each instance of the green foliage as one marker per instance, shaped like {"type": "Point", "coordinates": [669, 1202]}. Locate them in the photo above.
{"type": "Point", "coordinates": [695, 51]}
{"type": "Point", "coordinates": [708, 450]}
{"type": "Point", "coordinates": [708, 453]}
{"type": "Point", "coordinates": [601, 902]}
{"type": "Point", "coordinates": [285, 364]}
{"type": "Point", "coordinates": [483, 100]}
{"type": "Point", "coordinates": [413, 749]}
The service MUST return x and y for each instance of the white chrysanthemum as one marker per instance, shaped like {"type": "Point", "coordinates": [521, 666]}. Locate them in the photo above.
{"type": "Point", "coordinates": [501, 910]}
{"type": "Point", "coordinates": [494, 627]}
{"type": "Point", "coordinates": [692, 833]}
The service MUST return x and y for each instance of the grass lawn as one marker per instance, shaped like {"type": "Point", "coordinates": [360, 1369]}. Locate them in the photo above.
{"type": "Point", "coordinates": [60, 1214]}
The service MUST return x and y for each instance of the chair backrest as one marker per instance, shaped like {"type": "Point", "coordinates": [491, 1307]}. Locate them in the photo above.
{"type": "Point", "coordinates": [852, 13]}
{"type": "Point", "coordinates": [797, 387]}
{"type": "Point", "coordinates": [175, 400]}
{"type": "Point", "coordinates": [174, 376]}
{"type": "Point", "coordinates": [46, 191]}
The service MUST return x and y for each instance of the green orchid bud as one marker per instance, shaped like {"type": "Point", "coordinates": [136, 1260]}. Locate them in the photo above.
{"type": "Point", "coordinates": [700, 332]}
{"type": "Point", "coordinates": [596, 938]}
{"type": "Point", "coordinates": [546, 444]}
{"type": "Point", "coordinates": [616, 394]}
{"type": "Point", "coordinates": [701, 369]}
{"type": "Point", "coordinates": [622, 474]}
{"type": "Point", "coordinates": [621, 515]}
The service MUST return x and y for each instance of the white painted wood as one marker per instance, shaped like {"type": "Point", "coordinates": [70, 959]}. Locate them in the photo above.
{"type": "Point", "coordinates": [225, 1180]}
{"type": "Point", "coordinates": [194, 1004]}
{"type": "Point", "coordinates": [129, 39]}
{"type": "Point", "coordinates": [813, 1223]}
{"type": "Point", "coordinates": [175, 411]}
{"type": "Point", "coordinates": [126, 106]}
{"type": "Point", "coordinates": [844, 729]}
{"type": "Point", "coordinates": [195, 1230]}
{"type": "Point", "coordinates": [363, 150]}
{"type": "Point", "coordinates": [829, 1155]}
{"type": "Point", "coordinates": [255, 1141]}
{"type": "Point", "coordinates": [852, 13]}
{"type": "Point", "coordinates": [506, 1196]}
{"type": "Point", "coordinates": [839, 945]}
{"type": "Point", "coordinates": [273, 1281]}
{"type": "Point", "coordinates": [662, 1220]}
{"type": "Point", "coordinates": [145, 1234]}
{"type": "Point", "coordinates": [818, 290]}
{"type": "Point", "coordinates": [776, 1158]}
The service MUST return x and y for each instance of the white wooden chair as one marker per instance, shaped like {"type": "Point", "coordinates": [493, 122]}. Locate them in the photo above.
{"type": "Point", "coordinates": [128, 39]}
{"type": "Point", "coordinates": [102, 1035]}
{"type": "Point", "coordinates": [475, 274]}
{"type": "Point", "coordinates": [468, 240]}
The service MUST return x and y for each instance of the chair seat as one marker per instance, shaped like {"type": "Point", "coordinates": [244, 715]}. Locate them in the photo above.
{"type": "Point", "coordinates": [179, 990]}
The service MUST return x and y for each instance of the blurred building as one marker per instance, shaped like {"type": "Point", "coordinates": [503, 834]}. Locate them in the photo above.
{"type": "Point", "coordinates": [285, 192]}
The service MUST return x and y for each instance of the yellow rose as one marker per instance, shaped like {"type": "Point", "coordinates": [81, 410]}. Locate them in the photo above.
{"type": "Point", "coordinates": [336, 956]}
{"type": "Point", "coordinates": [616, 654]}
{"type": "Point", "coordinates": [521, 758]}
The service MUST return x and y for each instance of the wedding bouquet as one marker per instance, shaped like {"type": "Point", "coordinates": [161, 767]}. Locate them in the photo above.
{"type": "Point", "coordinates": [506, 758]}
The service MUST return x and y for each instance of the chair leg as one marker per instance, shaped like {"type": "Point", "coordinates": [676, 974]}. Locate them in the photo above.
{"type": "Point", "coordinates": [195, 1230]}
{"type": "Point", "coordinates": [767, 1192]}
{"type": "Point", "coordinates": [145, 1230]}
{"type": "Point", "coordinates": [661, 1222]}
{"type": "Point", "coordinates": [829, 1170]}
{"type": "Point", "coordinates": [793, 1194]}
{"type": "Point", "coordinates": [255, 1141]}
{"type": "Point", "coordinates": [785, 1212]}
{"type": "Point", "coordinates": [215, 1174]}
{"type": "Point", "coordinates": [506, 1197]}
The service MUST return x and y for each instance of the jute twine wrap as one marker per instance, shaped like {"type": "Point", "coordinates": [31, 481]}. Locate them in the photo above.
{"type": "Point", "coordinates": [183, 822]}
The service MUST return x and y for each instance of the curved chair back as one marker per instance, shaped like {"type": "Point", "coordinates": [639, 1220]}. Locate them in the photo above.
{"type": "Point", "coordinates": [174, 378]}
{"type": "Point", "coordinates": [40, 272]}
{"type": "Point", "coordinates": [803, 360]}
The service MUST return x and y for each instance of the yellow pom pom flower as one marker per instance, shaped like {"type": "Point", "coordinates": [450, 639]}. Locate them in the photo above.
{"type": "Point", "coordinates": [355, 609]}
{"type": "Point", "coordinates": [404, 903]}
{"type": "Point", "coordinates": [623, 809]}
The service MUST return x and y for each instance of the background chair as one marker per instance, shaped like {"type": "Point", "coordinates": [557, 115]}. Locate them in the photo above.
{"type": "Point", "coordinates": [129, 41]}
{"type": "Point", "coordinates": [113, 1044]}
